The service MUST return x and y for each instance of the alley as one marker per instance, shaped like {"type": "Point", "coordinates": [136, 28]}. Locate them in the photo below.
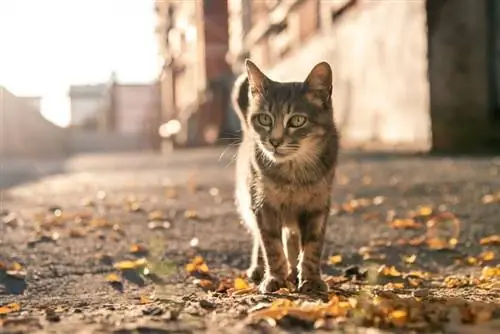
{"type": "Point", "coordinates": [70, 231]}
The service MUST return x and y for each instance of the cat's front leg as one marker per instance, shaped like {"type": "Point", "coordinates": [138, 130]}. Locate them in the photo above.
{"type": "Point", "coordinates": [276, 264]}
{"type": "Point", "coordinates": [312, 226]}
{"type": "Point", "coordinates": [256, 271]}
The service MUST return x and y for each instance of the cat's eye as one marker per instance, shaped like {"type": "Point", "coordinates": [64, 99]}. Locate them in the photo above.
{"type": "Point", "coordinates": [297, 121]}
{"type": "Point", "coordinates": [264, 119]}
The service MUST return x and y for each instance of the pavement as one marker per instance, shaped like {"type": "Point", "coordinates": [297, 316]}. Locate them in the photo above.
{"type": "Point", "coordinates": [67, 225]}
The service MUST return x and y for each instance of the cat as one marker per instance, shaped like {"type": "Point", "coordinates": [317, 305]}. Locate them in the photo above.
{"type": "Point", "coordinates": [285, 168]}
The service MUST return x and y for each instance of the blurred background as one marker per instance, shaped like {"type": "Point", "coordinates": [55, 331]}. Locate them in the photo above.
{"type": "Point", "coordinates": [127, 75]}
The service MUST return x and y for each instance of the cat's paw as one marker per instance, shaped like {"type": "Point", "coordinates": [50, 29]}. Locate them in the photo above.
{"type": "Point", "coordinates": [293, 277]}
{"type": "Point", "coordinates": [271, 284]}
{"type": "Point", "coordinates": [255, 274]}
{"type": "Point", "coordinates": [314, 286]}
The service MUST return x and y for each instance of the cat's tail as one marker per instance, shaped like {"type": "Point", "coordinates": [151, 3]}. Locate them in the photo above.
{"type": "Point", "coordinates": [239, 98]}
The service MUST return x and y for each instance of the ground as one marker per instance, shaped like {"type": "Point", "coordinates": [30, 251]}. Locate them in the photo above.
{"type": "Point", "coordinates": [405, 248]}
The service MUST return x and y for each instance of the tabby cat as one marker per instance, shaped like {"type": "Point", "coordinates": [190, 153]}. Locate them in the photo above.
{"type": "Point", "coordinates": [284, 174]}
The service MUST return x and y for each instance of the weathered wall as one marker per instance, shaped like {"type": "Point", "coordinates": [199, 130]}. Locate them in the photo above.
{"type": "Point", "coordinates": [458, 62]}
{"type": "Point", "coordinates": [378, 51]}
{"type": "Point", "coordinates": [24, 132]}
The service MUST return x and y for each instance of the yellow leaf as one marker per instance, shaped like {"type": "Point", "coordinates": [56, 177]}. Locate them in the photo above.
{"type": "Point", "coordinates": [389, 271]}
{"type": "Point", "coordinates": [335, 259]}
{"type": "Point", "coordinates": [113, 278]}
{"type": "Point", "coordinates": [203, 268]}
{"type": "Point", "coordinates": [398, 318]}
{"type": "Point", "coordinates": [240, 284]}
{"type": "Point", "coordinates": [124, 265]}
{"type": "Point", "coordinates": [16, 267]}
{"type": "Point", "coordinates": [424, 211]}
{"type": "Point", "coordinates": [410, 259]}
{"type": "Point", "coordinates": [490, 272]}
{"type": "Point", "coordinates": [487, 256]}
{"type": "Point", "coordinates": [490, 240]}
{"type": "Point", "coordinates": [471, 260]}
{"type": "Point", "coordinates": [9, 308]}
{"type": "Point", "coordinates": [407, 223]}
{"type": "Point", "coordinates": [437, 244]}
{"type": "Point", "coordinates": [145, 300]}
{"type": "Point", "coordinates": [190, 268]}
{"type": "Point", "coordinates": [394, 286]}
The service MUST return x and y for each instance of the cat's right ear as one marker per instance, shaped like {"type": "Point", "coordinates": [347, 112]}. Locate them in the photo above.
{"type": "Point", "coordinates": [257, 80]}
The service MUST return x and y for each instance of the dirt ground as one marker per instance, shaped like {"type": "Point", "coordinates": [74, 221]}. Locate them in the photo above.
{"type": "Point", "coordinates": [139, 243]}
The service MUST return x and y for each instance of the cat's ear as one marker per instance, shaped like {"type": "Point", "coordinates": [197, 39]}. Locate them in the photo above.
{"type": "Point", "coordinates": [318, 84]}
{"type": "Point", "coordinates": [256, 79]}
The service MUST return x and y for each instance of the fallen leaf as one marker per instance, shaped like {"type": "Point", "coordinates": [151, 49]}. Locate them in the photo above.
{"type": "Point", "coordinates": [487, 256]}
{"type": "Point", "coordinates": [410, 259]}
{"type": "Point", "coordinates": [145, 300]}
{"type": "Point", "coordinates": [335, 259]}
{"type": "Point", "coordinates": [155, 215]}
{"type": "Point", "coordinates": [389, 271]}
{"type": "Point", "coordinates": [136, 248]}
{"type": "Point", "coordinates": [490, 240]}
{"type": "Point", "coordinates": [10, 308]}
{"type": "Point", "coordinates": [77, 233]}
{"type": "Point", "coordinates": [398, 318]}
{"type": "Point", "coordinates": [113, 278]}
{"type": "Point", "coordinates": [407, 223]}
{"type": "Point", "coordinates": [240, 284]}
{"type": "Point", "coordinates": [190, 214]}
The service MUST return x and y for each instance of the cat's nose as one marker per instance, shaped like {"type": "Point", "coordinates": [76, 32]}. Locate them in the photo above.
{"type": "Point", "coordinates": [275, 142]}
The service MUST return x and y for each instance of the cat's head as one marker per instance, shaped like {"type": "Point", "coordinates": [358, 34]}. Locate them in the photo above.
{"type": "Point", "coordinates": [290, 120]}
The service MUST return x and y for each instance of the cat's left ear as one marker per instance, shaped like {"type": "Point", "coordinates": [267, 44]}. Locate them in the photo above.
{"type": "Point", "coordinates": [318, 84]}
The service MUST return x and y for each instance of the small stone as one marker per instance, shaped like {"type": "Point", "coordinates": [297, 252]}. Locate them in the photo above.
{"type": "Point", "coordinates": [207, 305]}
{"type": "Point", "coordinates": [154, 311]}
{"type": "Point", "coordinates": [422, 293]}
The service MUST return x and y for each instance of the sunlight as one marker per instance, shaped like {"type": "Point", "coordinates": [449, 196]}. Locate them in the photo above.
{"type": "Point", "coordinates": [51, 44]}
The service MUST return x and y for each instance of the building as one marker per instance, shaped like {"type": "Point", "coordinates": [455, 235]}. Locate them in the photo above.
{"type": "Point", "coordinates": [24, 132]}
{"type": "Point", "coordinates": [89, 107]}
{"type": "Point", "coordinates": [33, 101]}
{"type": "Point", "coordinates": [114, 116]}
{"type": "Point", "coordinates": [136, 110]}
{"type": "Point", "coordinates": [420, 73]}
{"type": "Point", "coordinates": [196, 79]}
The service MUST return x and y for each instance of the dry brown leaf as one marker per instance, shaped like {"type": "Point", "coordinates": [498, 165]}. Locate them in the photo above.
{"type": "Point", "coordinates": [335, 259]}
{"type": "Point", "coordinates": [77, 233]}
{"type": "Point", "coordinates": [407, 223]}
{"type": "Point", "coordinates": [136, 248]}
{"type": "Point", "coordinates": [490, 240]}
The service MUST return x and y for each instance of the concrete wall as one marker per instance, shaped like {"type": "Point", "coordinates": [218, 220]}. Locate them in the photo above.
{"type": "Point", "coordinates": [24, 132]}
{"type": "Point", "coordinates": [378, 51]}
